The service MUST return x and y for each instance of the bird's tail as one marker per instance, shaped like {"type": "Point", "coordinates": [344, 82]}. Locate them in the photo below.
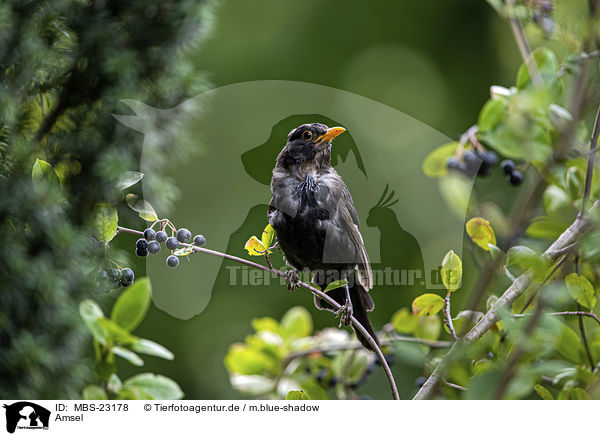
{"type": "Point", "coordinates": [361, 304]}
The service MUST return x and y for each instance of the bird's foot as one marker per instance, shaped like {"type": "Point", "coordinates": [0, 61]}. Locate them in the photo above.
{"type": "Point", "coordinates": [292, 279]}
{"type": "Point", "coordinates": [345, 313]}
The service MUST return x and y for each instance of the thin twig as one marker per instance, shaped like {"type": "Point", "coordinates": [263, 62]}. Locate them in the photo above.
{"type": "Point", "coordinates": [590, 163]}
{"type": "Point", "coordinates": [565, 313]}
{"type": "Point", "coordinates": [315, 291]}
{"type": "Point", "coordinates": [516, 289]}
{"type": "Point", "coordinates": [584, 339]}
{"type": "Point", "coordinates": [448, 317]}
{"type": "Point", "coordinates": [524, 49]}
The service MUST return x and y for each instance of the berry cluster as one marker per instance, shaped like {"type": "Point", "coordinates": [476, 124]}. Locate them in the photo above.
{"type": "Point", "coordinates": [514, 176]}
{"type": "Point", "coordinates": [150, 243]}
{"type": "Point", "coordinates": [474, 163]}
{"type": "Point", "coordinates": [118, 277]}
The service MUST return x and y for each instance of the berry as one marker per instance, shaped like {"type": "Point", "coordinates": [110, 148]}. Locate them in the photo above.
{"type": "Point", "coordinates": [172, 243]}
{"type": "Point", "coordinates": [153, 247]}
{"type": "Point", "coordinates": [489, 158]}
{"type": "Point", "coordinates": [126, 276]}
{"type": "Point", "coordinates": [173, 261]}
{"type": "Point", "coordinates": [472, 163]}
{"type": "Point", "coordinates": [419, 382]}
{"type": "Point", "coordinates": [332, 382]}
{"type": "Point", "coordinates": [149, 234]}
{"type": "Point", "coordinates": [141, 252]}
{"type": "Point", "coordinates": [184, 235]}
{"type": "Point", "coordinates": [199, 240]}
{"type": "Point", "coordinates": [452, 163]}
{"type": "Point", "coordinates": [516, 178]}
{"type": "Point", "coordinates": [389, 358]}
{"type": "Point", "coordinates": [141, 244]}
{"type": "Point", "coordinates": [508, 166]}
{"type": "Point", "coordinates": [161, 236]}
{"type": "Point", "coordinates": [484, 170]}
{"type": "Point", "coordinates": [114, 276]}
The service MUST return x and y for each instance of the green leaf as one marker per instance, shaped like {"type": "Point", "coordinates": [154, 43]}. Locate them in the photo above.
{"type": "Point", "coordinates": [314, 390]}
{"type": "Point", "coordinates": [579, 394]}
{"type": "Point", "coordinates": [456, 191]}
{"type": "Point", "coordinates": [106, 222]}
{"type": "Point", "coordinates": [296, 323]}
{"type": "Point", "coordinates": [575, 182]}
{"type": "Point", "coordinates": [265, 324]}
{"type": "Point", "coordinates": [525, 258]}
{"type": "Point", "coordinates": [94, 392]}
{"type": "Point", "coordinates": [334, 285]}
{"type": "Point", "coordinates": [128, 355]}
{"type": "Point", "coordinates": [543, 227]}
{"type": "Point", "coordinates": [114, 383]}
{"type": "Point", "coordinates": [451, 271]}
{"type": "Point", "coordinates": [581, 290]}
{"type": "Point", "coordinates": [297, 395]}
{"type": "Point", "coordinates": [129, 178]}
{"type": "Point", "coordinates": [434, 164]}
{"type": "Point", "coordinates": [116, 333]}
{"type": "Point", "coordinates": [43, 171]}
{"type": "Point", "coordinates": [569, 345]}
{"type": "Point", "coordinates": [547, 66]}
{"type": "Point", "coordinates": [481, 232]}
{"type": "Point", "coordinates": [134, 393]}
{"type": "Point", "coordinates": [543, 392]}
{"type": "Point", "coordinates": [268, 235]}
{"type": "Point", "coordinates": [428, 327]}
{"type": "Point", "coordinates": [404, 321]}
{"type": "Point", "coordinates": [427, 304]}
{"type": "Point", "coordinates": [491, 114]}
{"type": "Point", "coordinates": [151, 348]}
{"type": "Point", "coordinates": [142, 207]}
{"type": "Point", "coordinates": [244, 360]}
{"type": "Point", "coordinates": [159, 386]}
{"type": "Point", "coordinates": [131, 307]}
{"type": "Point", "coordinates": [91, 314]}
{"type": "Point", "coordinates": [252, 384]}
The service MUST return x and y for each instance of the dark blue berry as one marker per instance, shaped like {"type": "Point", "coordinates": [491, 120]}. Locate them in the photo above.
{"type": "Point", "coordinates": [199, 240]}
{"type": "Point", "coordinates": [508, 166]}
{"type": "Point", "coordinates": [141, 252]}
{"type": "Point", "coordinates": [153, 247]}
{"type": "Point", "coordinates": [184, 235]}
{"type": "Point", "coordinates": [161, 236]}
{"type": "Point", "coordinates": [114, 275]}
{"type": "Point", "coordinates": [127, 276]}
{"type": "Point", "coordinates": [141, 244]}
{"type": "Point", "coordinates": [173, 261]}
{"type": "Point", "coordinates": [489, 158]}
{"type": "Point", "coordinates": [149, 234]}
{"type": "Point", "coordinates": [172, 243]}
{"type": "Point", "coordinates": [472, 163]}
{"type": "Point", "coordinates": [516, 178]}
{"type": "Point", "coordinates": [419, 382]}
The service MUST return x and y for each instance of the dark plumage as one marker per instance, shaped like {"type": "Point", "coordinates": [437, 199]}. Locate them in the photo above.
{"type": "Point", "coordinates": [317, 226]}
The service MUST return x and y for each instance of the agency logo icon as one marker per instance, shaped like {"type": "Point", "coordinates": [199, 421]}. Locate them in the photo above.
{"type": "Point", "coordinates": [26, 415]}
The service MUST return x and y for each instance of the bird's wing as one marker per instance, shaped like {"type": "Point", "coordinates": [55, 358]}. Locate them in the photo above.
{"type": "Point", "coordinates": [350, 219]}
{"type": "Point", "coordinates": [350, 224]}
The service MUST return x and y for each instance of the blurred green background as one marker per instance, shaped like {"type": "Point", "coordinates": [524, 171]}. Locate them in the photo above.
{"type": "Point", "coordinates": [433, 61]}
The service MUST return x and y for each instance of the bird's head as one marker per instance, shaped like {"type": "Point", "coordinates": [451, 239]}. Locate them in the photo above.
{"type": "Point", "coordinates": [308, 146]}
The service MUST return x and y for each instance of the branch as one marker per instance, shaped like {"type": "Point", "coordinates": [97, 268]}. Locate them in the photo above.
{"type": "Point", "coordinates": [315, 291]}
{"type": "Point", "coordinates": [566, 313]}
{"type": "Point", "coordinates": [448, 317]}
{"type": "Point", "coordinates": [568, 237]}
{"type": "Point", "coordinates": [524, 49]}
{"type": "Point", "coordinates": [590, 164]}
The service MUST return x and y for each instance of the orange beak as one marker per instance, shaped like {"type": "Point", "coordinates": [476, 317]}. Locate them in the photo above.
{"type": "Point", "coordinates": [330, 134]}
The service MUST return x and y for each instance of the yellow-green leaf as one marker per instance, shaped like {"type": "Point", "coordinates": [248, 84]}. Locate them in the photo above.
{"type": "Point", "coordinates": [543, 392]}
{"type": "Point", "coordinates": [581, 290]}
{"type": "Point", "coordinates": [334, 285]}
{"type": "Point", "coordinates": [427, 304]}
{"type": "Point", "coordinates": [142, 207]}
{"type": "Point", "coordinates": [451, 271]}
{"type": "Point", "coordinates": [255, 247]}
{"type": "Point", "coordinates": [434, 164]}
{"type": "Point", "coordinates": [404, 321]}
{"type": "Point", "coordinates": [268, 235]}
{"type": "Point", "coordinates": [481, 232]}
{"type": "Point", "coordinates": [42, 170]}
{"type": "Point", "coordinates": [106, 222]}
{"type": "Point", "coordinates": [297, 395]}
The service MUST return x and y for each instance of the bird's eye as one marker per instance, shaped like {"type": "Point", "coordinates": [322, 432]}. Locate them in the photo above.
{"type": "Point", "coordinates": [307, 135]}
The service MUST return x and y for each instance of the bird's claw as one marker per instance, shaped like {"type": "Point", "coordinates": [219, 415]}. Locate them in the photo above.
{"type": "Point", "coordinates": [345, 313]}
{"type": "Point", "coordinates": [291, 279]}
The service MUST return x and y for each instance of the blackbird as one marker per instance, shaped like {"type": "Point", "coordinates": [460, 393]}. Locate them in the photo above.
{"type": "Point", "coordinates": [313, 214]}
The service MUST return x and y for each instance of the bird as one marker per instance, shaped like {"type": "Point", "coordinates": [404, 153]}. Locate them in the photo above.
{"type": "Point", "coordinates": [317, 226]}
